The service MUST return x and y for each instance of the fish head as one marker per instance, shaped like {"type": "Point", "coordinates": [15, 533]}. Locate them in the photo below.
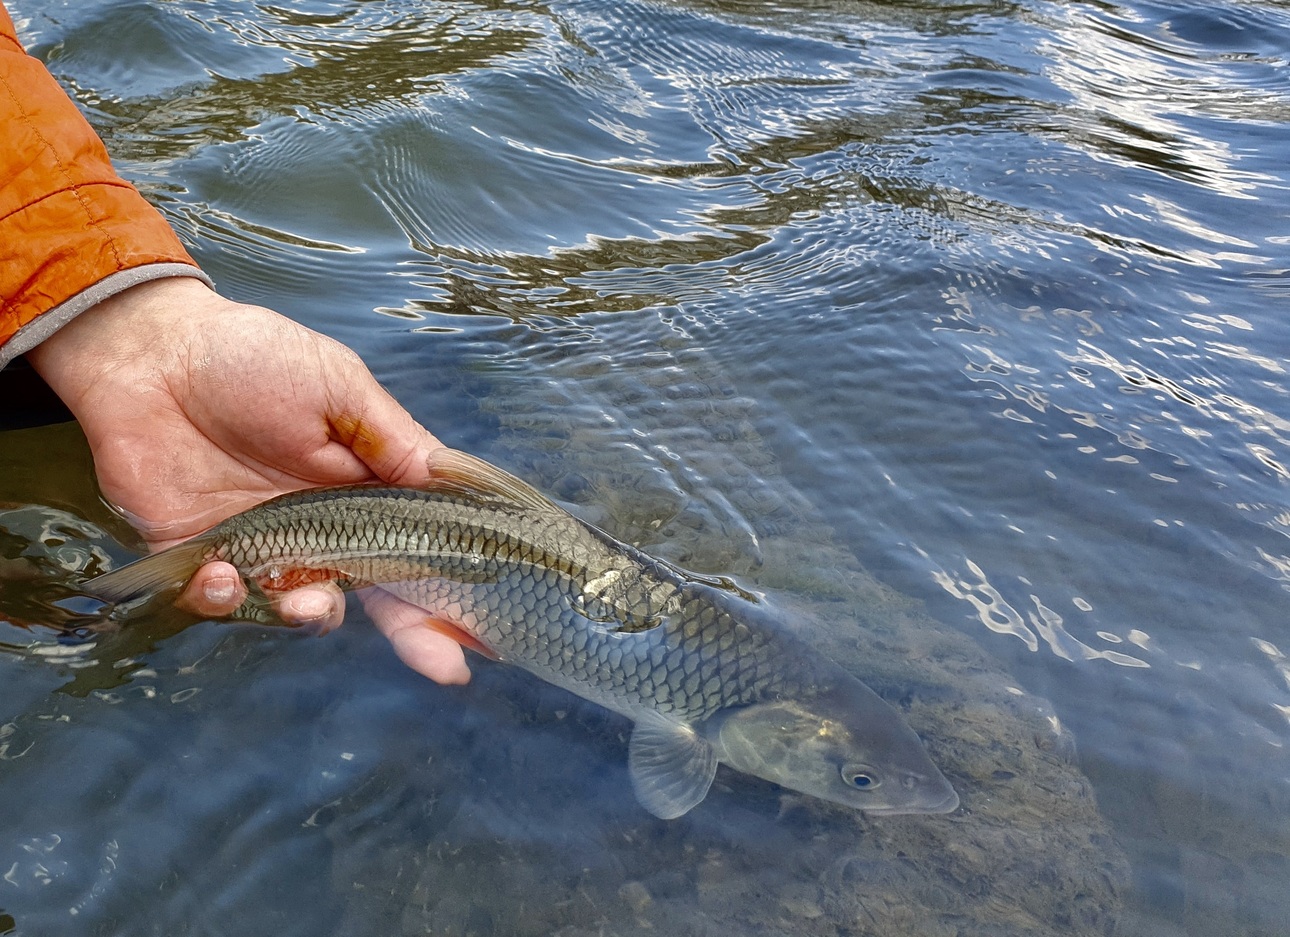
{"type": "Point", "coordinates": [844, 744]}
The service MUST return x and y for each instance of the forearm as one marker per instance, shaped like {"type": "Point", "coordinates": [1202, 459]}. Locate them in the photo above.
{"type": "Point", "coordinates": [72, 232]}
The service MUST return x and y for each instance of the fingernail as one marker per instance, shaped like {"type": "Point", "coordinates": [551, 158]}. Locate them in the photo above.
{"type": "Point", "coordinates": [219, 591]}
{"type": "Point", "coordinates": [307, 609]}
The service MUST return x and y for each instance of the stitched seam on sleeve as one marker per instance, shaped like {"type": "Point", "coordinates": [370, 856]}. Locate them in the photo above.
{"type": "Point", "coordinates": [71, 185]}
{"type": "Point", "coordinates": [74, 189]}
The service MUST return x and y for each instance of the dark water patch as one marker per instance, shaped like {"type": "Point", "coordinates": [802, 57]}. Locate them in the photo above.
{"type": "Point", "coordinates": [237, 76]}
{"type": "Point", "coordinates": [522, 210]}
{"type": "Point", "coordinates": [173, 53]}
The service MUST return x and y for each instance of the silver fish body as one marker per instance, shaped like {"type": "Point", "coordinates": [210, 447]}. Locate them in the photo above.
{"type": "Point", "coordinates": [703, 670]}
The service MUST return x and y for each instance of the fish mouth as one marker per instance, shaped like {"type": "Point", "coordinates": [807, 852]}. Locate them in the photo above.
{"type": "Point", "coordinates": [946, 804]}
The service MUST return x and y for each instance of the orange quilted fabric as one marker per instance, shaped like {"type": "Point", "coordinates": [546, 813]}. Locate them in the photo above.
{"type": "Point", "coordinates": [67, 220]}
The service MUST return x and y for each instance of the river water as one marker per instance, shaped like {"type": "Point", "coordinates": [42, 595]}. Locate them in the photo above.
{"type": "Point", "coordinates": [961, 325]}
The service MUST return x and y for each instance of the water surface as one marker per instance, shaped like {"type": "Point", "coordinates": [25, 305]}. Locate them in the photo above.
{"type": "Point", "coordinates": [971, 305]}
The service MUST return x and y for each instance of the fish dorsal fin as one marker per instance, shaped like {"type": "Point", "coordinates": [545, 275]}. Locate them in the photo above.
{"type": "Point", "coordinates": [671, 767]}
{"type": "Point", "coordinates": [452, 470]}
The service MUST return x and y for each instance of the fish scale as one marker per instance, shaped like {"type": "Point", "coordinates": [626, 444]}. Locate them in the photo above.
{"type": "Point", "coordinates": [705, 671]}
{"type": "Point", "coordinates": [521, 600]}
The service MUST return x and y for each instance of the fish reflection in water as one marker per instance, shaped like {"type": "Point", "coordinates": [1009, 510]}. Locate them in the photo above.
{"type": "Point", "coordinates": [704, 671]}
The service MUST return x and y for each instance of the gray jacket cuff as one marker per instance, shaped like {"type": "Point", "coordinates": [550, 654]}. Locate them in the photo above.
{"type": "Point", "coordinates": [47, 323]}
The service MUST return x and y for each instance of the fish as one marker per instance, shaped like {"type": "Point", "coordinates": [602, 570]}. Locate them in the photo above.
{"type": "Point", "coordinates": [705, 670]}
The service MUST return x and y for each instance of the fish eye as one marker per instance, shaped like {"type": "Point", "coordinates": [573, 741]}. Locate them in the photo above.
{"type": "Point", "coordinates": [861, 777]}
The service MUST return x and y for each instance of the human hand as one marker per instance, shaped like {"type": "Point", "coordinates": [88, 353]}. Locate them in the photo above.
{"type": "Point", "coordinates": [196, 407]}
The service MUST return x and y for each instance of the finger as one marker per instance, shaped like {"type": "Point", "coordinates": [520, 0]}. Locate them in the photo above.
{"type": "Point", "coordinates": [319, 607]}
{"type": "Point", "coordinates": [393, 445]}
{"type": "Point", "coordinates": [425, 650]}
{"type": "Point", "coordinates": [215, 591]}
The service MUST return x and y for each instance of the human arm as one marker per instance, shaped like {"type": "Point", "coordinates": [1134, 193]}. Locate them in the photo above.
{"type": "Point", "coordinates": [194, 406]}
{"type": "Point", "coordinates": [72, 232]}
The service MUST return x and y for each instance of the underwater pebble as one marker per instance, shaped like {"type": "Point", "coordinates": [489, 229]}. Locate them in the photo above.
{"type": "Point", "coordinates": [636, 895]}
{"type": "Point", "coordinates": [711, 874]}
{"type": "Point", "coordinates": [801, 906]}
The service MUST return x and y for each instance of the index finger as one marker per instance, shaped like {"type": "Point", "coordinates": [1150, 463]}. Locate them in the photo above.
{"type": "Point", "coordinates": [425, 650]}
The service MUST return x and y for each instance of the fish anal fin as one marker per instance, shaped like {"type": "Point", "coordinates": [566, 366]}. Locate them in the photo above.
{"type": "Point", "coordinates": [671, 767]}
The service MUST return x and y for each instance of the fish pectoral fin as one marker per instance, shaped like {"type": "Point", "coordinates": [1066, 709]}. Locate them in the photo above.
{"type": "Point", "coordinates": [461, 636]}
{"type": "Point", "coordinates": [671, 767]}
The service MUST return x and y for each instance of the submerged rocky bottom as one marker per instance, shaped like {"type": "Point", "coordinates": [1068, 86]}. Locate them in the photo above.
{"type": "Point", "coordinates": [532, 842]}
{"type": "Point", "coordinates": [509, 810]}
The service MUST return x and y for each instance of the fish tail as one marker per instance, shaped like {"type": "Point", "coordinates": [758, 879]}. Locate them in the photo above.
{"type": "Point", "coordinates": [168, 569]}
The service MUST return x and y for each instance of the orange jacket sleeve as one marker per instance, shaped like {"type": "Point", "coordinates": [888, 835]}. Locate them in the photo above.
{"type": "Point", "coordinates": [72, 232]}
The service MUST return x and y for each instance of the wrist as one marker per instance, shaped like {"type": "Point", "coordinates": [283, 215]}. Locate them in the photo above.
{"type": "Point", "coordinates": [114, 335]}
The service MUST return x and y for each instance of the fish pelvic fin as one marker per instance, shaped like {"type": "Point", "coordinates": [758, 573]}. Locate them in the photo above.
{"type": "Point", "coordinates": [671, 767]}
{"type": "Point", "coordinates": [463, 637]}
{"type": "Point", "coordinates": [160, 572]}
